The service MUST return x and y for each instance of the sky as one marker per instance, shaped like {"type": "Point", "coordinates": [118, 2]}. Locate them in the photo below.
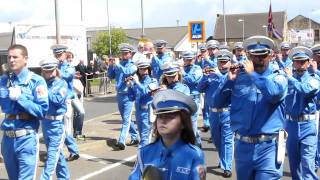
{"type": "Point", "coordinates": [157, 13]}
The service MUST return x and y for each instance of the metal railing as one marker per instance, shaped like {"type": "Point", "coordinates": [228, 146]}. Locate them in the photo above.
{"type": "Point", "coordinates": [99, 84]}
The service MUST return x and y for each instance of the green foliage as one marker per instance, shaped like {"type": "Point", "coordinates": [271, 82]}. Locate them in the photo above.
{"type": "Point", "coordinates": [100, 44]}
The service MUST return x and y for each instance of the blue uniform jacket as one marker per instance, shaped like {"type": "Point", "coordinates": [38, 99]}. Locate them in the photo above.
{"type": "Point", "coordinates": [204, 62]}
{"type": "Point", "coordinates": [120, 72]}
{"type": "Point", "coordinates": [257, 105]}
{"type": "Point", "coordinates": [33, 99]}
{"type": "Point", "coordinates": [302, 92]}
{"type": "Point", "coordinates": [180, 161]}
{"type": "Point", "coordinates": [141, 93]}
{"type": "Point", "coordinates": [285, 63]}
{"type": "Point", "coordinates": [156, 63]}
{"type": "Point", "coordinates": [178, 86]}
{"type": "Point", "coordinates": [68, 73]}
{"type": "Point", "coordinates": [191, 77]}
{"type": "Point", "coordinates": [209, 84]}
{"type": "Point", "coordinates": [57, 90]}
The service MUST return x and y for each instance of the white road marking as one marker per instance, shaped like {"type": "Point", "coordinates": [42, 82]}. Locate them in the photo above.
{"type": "Point", "coordinates": [107, 168]}
{"type": "Point", "coordinates": [92, 158]}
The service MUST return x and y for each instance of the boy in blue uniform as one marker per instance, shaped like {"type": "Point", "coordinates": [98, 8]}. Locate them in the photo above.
{"type": "Point", "coordinates": [67, 73]}
{"type": "Point", "coordinates": [52, 123]}
{"type": "Point", "coordinates": [173, 153]}
{"type": "Point", "coordinates": [172, 78]}
{"type": "Point", "coordinates": [191, 76]}
{"type": "Point", "coordinates": [220, 116]}
{"type": "Point", "coordinates": [256, 93]}
{"type": "Point", "coordinates": [119, 72]}
{"type": "Point", "coordinates": [301, 115]}
{"type": "Point", "coordinates": [24, 100]}
{"type": "Point", "coordinates": [158, 60]}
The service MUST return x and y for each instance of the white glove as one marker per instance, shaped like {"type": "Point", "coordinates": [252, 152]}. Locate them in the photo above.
{"type": "Point", "coordinates": [14, 93]}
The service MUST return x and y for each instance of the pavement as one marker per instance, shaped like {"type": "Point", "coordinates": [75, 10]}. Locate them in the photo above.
{"type": "Point", "coordinates": [100, 160]}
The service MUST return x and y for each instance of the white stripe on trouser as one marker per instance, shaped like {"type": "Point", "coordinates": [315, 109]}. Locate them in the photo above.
{"type": "Point", "coordinates": [37, 156]}
{"type": "Point", "coordinates": [68, 118]}
{"type": "Point", "coordinates": [152, 120]}
{"type": "Point", "coordinates": [58, 153]}
{"type": "Point", "coordinates": [130, 120]}
{"type": "Point", "coordinates": [317, 121]}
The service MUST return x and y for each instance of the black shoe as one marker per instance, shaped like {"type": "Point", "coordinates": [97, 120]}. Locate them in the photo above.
{"type": "Point", "coordinates": [133, 142]}
{"type": "Point", "coordinates": [120, 146]}
{"type": "Point", "coordinates": [227, 174]}
{"type": "Point", "coordinates": [73, 157]}
{"type": "Point", "coordinates": [205, 128]}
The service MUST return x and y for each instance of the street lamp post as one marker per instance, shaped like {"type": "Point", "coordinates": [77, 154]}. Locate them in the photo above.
{"type": "Point", "coordinates": [266, 29]}
{"type": "Point", "coordinates": [242, 21]}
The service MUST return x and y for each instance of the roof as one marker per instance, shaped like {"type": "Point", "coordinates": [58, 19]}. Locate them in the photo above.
{"type": "Point", "coordinates": [253, 24]}
{"type": "Point", "coordinates": [301, 22]}
{"type": "Point", "coordinates": [171, 34]}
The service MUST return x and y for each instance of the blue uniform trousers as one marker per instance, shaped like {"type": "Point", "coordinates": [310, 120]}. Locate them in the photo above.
{"type": "Point", "coordinates": [21, 156]}
{"type": "Point", "coordinates": [194, 118]}
{"type": "Point", "coordinates": [205, 113]}
{"type": "Point", "coordinates": [125, 108]}
{"type": "Point", "coordinates": [222, 137]}
{"type": "Point", "coordinates": [257, 161]}
{"type": "Point", "coordinates": [144, 124]}
{"type": "Point", "coordinates": [54, 135]}
{"type": "Point", "coordinates": [301, 147]}
{"type": "Point", "coordinates": [71, 145]}
{"type": "Point", "coordinates": [318, 149]}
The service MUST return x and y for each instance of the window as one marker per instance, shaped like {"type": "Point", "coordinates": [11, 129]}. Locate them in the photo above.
{"type": "Point", "coordinates": [316, 35]}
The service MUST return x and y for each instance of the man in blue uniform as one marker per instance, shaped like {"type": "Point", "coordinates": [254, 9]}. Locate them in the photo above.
{"type": "Point", "coordinates": [191, 76]}
{"type": "Point", "coordinates": [212, 48]}
{"type": "Point", "coordinates": [301, 115]}
{"type": "Point", "coordinates": [203, 56]}
{"type": "Point", "coordinates": [119, 72]}
{"type": "Point", "coordinates": [24, 100]}
{"type": "Point", "coordinates": [158, 60]}
{"type": "Point", "coordinates": [220, 116]}
{"type": "Point", "coordinates": [315, 64]}
{"type": "Point", "coordinates": [239, 53]}
{"type": "Point", "coordinates": [67, 73]}
{"type": "Point", "coordinates": [257, 103]}
{"type": "Point", "coordinates": [285, 61]}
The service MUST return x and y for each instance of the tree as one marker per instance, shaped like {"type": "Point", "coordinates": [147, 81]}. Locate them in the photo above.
{"type": "Point", "coordinates": [100, 44]}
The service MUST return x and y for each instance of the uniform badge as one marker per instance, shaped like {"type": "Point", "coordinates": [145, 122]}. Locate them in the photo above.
{"type": "Point", "coordinates": [41, 91]}
{"type": "Point", "coordinates": [201, 171]}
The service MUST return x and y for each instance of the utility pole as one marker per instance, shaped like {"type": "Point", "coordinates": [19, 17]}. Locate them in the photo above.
{"type": "Point", "coordinates": [57, 17]}
{"type": "Point", "coordinates": [142, 27]}
{"type": "Point", "coordinates": [224, 25]}
{"type": "Point", "coordinates": [109, 29]}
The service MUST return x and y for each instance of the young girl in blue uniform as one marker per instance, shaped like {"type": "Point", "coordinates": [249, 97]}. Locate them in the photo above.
{"type": "Point", "coordinates": [52, 124]}
{"type": "Point", "coordinates": [140, 89]}
{"type": "Point", "coordinates": [173, 153]}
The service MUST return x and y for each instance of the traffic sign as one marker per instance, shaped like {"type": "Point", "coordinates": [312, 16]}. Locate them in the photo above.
{"type": "Point", "coordinates": [196, 31]}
